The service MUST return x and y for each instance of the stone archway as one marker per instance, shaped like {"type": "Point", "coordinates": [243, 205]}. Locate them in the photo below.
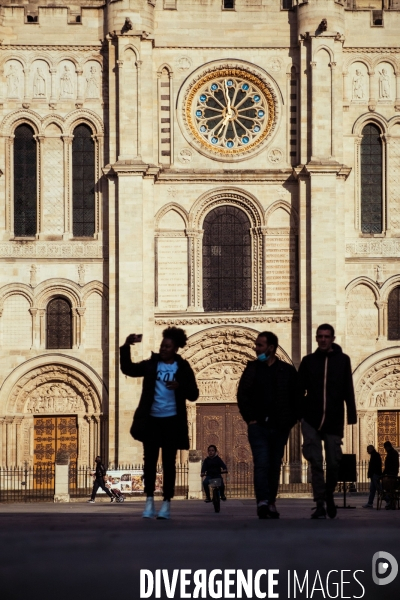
{"type": "Point", "coordinates": [218, 357]}
{"type": "Point", "coordinates": [377, 387]}
{"type": "Point", "coordinates": [49, 392]}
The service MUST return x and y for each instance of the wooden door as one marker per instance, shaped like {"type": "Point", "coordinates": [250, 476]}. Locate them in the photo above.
{"type": "Point", "coordinates": [52, 434]}
{"type": "Point", "coordinates": [222, 425]}
{"type": "Point", "coordinates": [388, 429]}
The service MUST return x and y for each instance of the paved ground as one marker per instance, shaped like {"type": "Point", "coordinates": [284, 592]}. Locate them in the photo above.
{"type": "Point", "coordinates": [83, 551]}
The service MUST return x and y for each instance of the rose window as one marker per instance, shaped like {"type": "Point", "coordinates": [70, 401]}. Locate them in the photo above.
{"type": "Point", "coordinates": [230, 112]}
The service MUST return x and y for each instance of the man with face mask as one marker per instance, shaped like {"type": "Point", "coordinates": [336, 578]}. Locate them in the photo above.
{"type": "Point", "coordinates": [267, 402]}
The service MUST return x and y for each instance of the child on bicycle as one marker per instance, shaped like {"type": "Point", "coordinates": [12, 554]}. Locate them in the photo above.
{"type": "Point", "coordinates": [213, 466]}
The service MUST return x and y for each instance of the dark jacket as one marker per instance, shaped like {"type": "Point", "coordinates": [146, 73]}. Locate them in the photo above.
{"type": "Point", "coordinates": [212, 467]}
{"type": "Point", "coordinates": [325, 383]}
{"type": "Point", "coordinates": [375, 464]}
{"type": "Point", "coordinates": [280, 405]}
{"type": "Point", "coordinates": [147, 369]}
{"type": "Point", "coordinates": [101, 471]}
{"type": "Point", "coordinates": [391, 463]}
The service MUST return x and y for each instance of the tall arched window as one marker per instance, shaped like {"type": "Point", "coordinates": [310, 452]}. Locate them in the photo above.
{"type": "Point", "coordinates": [25, 189]}
{"type": "Point", "coordinates": [394, 314]}
{"type": "Point", "coordinates": [371, 180]}
{"type": "Point", "coordinates": [59, 324]}
{"type": "Point", "coordinates": [226, 260]}
{"type": "Point", "coordinates": [83, 175]}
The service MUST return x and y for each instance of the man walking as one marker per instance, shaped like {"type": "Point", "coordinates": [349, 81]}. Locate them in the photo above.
{"type": "Point", "coordinates": [267, 400]}
{"type": "Point", "coordinates": [374, 474]}
{"type": "Point", "coordinates": [390, 474]}
{"type": "Point", "coordinates": [326, 384]}
{"type": "Point", "coordinates": [100, 474]}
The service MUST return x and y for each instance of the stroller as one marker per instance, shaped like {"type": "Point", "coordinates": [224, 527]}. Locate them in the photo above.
{"type": "Point", "coordinates": [118, 495]}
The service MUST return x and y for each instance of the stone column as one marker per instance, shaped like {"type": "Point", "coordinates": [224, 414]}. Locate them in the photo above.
{"type": "Point", "coordinates": [35, 328]}
{"type": "Point", "coordinates": [3, 441]}
{"type": "Point", "coordinates": [195, 301]}
{"type": "Point", "coordinates": [10, 442]}
{"type": "Point", "coordinates": [334, 110]}
{"type": "Point", "coordinates": [18, 441]}
{"type": "Point", "coordinates": [194, 479]}
{"type": "Point", "coordinates": [99, 145]}
{"type": "Point", "coordinates": [264, 231]}
{"type": "Point", "coordinates": [27, 96]}
{"type": "Point", "coordinates": [61, 487]}
{"type": "Point", "coordinates": [139, 107]}
{"type": "Point", "coordinates": [397, 101]}
{"type": "Point", "coordinates": [362, 434]}
{"type": "Point", "coordinates": [382, 320]}
{"type": "Point", "coordinates": [75, 319]}
{"type": "Point", "coordinates": [39, 139]}
{"type": "Point", "coordinates": [346, 100]}
{"type": "Point", "coordinates": [372, 92]}
{"type": "Point", "coordinates": [68, 208]}
{"type": "Point", "coordinates": [9, 187]}
{"type": "Point", "coordinates": [80, 96]}
{"type": "Point", "coordinates": [80, 311]}
{"type": "Point", "coordinates": [42, 327]}
{"type": "Point", "coordinates": [314, 100]}
{"type": "Point", "coordinates": [53, 96]}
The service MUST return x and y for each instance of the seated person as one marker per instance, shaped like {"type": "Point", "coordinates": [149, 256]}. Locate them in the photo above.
{"type": "Point", "coordinates": [212, 468]}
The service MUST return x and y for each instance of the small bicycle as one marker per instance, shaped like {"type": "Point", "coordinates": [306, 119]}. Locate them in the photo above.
{"type": "Point", "coordinates": [215, 485]}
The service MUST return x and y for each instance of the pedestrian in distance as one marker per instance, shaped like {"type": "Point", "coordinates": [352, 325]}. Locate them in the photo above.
{"type": "Point", "coordinates": [390, 474]}
{"type": "Point", "coordinates": [99, 481]}
{"type": "Point", "coordinates": [374, 474]}
{"type": "Point", "coordinates": [160, 420]}
{"type": "Point", "coordinates": [325, 386]}
{"type": "Point", "coordinates": [267, 402]}
{"type": "Point", "coordinates": [212, 468]}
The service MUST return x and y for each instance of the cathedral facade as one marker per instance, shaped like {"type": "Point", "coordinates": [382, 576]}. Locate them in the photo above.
{"type": "Point", "coordinates": [225, 166]}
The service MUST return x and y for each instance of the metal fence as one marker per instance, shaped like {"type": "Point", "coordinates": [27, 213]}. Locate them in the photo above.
{"type": "Point", "coordinates": [295, 479]}
{"type": "Point", "coordinates": [129, 480]}
{"type": "Point", "coordinates": [36, 484]}
{"type": "Point", "coordinates": [27, 484]}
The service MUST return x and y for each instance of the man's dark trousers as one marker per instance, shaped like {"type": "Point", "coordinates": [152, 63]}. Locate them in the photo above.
{"type": "Point", "coordinates": [99, 483]}
{"type": "Point", "coordinates": [267, 445]}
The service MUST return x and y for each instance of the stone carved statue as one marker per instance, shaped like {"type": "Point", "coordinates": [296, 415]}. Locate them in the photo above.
{"type": "Point", "coordinates": [358, 85]}
{"type": "Point", "coordinates": [66, 85]}
{"type": "Point", "coordinates": [39, 84]}
{"type": "Point", "coordinates": [12, 83]}
{"type": "Point", "coordinates": [92, 88]}
{"type": "Point", "coordinates": [384, 85]}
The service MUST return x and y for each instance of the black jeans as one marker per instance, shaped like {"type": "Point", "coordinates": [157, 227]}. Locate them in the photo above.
{"type": "Point", "coordinates": [99, 483]}
{"type": "Point", "coordinates": [267, 445]}
{"type": "Point", "coordinates": [162, 434]}
{"type": "Point", "coordinates": [206, 487]}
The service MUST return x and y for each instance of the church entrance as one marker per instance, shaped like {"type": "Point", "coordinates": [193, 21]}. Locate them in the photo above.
{"type": "Point", "coordinates": [222, 425]}
{"type": "Point", "coordinates": [388, 429]}
{"type": "Point", "coordinates": [52, 434]}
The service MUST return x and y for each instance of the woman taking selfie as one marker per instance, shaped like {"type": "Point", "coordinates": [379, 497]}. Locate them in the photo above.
{"type": "Point", "coordinates": [160, 420]}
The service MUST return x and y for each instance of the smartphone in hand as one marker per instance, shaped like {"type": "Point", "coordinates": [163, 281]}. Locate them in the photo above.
{"type": "Point", "coordinates": [137, 337]}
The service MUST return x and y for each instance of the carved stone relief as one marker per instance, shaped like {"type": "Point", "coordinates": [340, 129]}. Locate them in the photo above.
{"type": "Point", "coordinates": [218, 357]}
{"type": "Point", "coordinates": [52, 398]}
{"type": "Point", "coordinates": [92, 77]}
{"type": "Point", "coordinates": [15, 79]}
{"type": "Point", "coordinates": [380, 386]}
{"type": "Point", "coordinates": [358, 85]}
{"type": "Point", "coordinates": [53, 389]}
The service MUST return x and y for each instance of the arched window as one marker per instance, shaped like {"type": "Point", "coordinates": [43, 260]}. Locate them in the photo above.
{"type": "Point", "coordinates": [394, 314]}
{"type": "Point", "coordinates": [59, 324]}
{"type": "Point", "coordinates": [83, 175]}
{"type": "Point", "coordinates": [226, 260]}
{"type": "Point", "coordinates": [371, 180]}
{"type": "Point", "coordinates": [25, 189]}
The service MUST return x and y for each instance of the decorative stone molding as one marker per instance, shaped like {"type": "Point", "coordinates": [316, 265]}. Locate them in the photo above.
{"type": "Point", "coordinates": [373, 248]}
{"type": "Point", "coordinates": [57, 250]}
{"type": "Point", "coordinates": [224, 319]}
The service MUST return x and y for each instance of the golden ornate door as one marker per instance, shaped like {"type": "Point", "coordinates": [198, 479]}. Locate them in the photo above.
{"type": "Point", "coordinates": [52, 434]}
{"type": "Point", "coordinates": [388, 429]}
